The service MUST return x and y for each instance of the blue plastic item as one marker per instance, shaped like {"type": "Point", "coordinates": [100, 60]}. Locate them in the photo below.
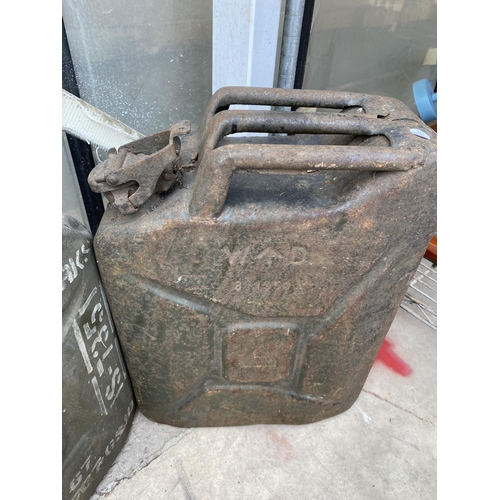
{"type": "Point", "coordinates": [425, 100]}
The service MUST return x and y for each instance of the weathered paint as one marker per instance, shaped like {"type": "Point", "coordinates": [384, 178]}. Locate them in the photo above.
{"type": "Point", "coordinates": [262, 290]}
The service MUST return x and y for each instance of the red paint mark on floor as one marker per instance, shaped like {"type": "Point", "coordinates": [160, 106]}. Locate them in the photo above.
{"type": "Point", "coordinates": [390, 359]}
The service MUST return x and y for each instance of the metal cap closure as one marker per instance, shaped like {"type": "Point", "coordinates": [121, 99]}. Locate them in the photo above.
{"type": "Point", "coordinates": [129, 176]}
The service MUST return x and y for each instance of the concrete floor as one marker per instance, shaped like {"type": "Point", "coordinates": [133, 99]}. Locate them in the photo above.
{"type": "Point", "coordinates": [383, 447]}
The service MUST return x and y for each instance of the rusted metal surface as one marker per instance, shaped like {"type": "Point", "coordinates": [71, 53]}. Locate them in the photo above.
{"type": "Point", "coordinates": [130, 175]}
{"type": "Point", "coordinates": [262, 291]}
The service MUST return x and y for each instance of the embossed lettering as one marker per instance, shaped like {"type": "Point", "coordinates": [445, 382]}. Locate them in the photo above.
{"type": "Point", "coordinates": [236, 256]}
{"type": "Point", "coordinates": [281, 289]}
{"type": "Point", "coordinates": [269, 254]}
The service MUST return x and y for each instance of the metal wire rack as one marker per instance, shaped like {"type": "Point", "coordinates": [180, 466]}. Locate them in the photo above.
{"type": "Point", "coordinates": [421, 298]}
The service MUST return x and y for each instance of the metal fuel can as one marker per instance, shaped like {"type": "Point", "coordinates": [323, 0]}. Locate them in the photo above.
{"type": "Point", "coordinates": [97, 398]}
{"type": "Point", "coordinates": [253, 279]}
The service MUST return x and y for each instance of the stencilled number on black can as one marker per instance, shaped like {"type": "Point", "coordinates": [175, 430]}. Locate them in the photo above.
{"type": "Point", "coordinates": [91, 466]}
{"type": "Point", "coordinates": [101, 355]}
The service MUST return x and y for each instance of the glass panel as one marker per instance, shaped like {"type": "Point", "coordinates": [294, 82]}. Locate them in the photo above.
{"type": "Point", "coordinates": [72, 202]}
{"type": "Point", "coordinates": [373, 46]}
{"type": "Point", "coordinates": [147, 64]}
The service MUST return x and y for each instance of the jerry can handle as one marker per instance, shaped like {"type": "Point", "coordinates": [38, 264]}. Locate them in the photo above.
{"type": "Point", "coordinates": [216, 164]}
{"type": "Point", "coordinates": [214, 176]}
{"type": "Point", "coordinates": [223, 98]}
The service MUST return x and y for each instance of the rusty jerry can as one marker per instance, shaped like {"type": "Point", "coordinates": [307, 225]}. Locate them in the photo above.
{"type": "Point", "coordinates": [260, 287]}
{"type": "Point", "coordinates": [97, 397]}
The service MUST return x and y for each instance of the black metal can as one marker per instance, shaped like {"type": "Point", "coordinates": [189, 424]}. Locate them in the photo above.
{"type": "Point", "coordinates": [97, 398]}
